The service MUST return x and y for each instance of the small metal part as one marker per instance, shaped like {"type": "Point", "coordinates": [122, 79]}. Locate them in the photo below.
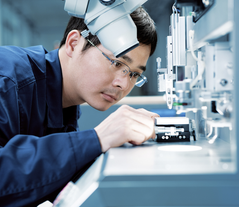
{"type": "Point", "coordinates": [171, 129]}
{"type": "Point", "coordinates": [223, 82]}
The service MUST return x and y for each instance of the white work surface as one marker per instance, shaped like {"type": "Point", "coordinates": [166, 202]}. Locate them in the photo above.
{"type": "Point", "coordinates": [149, 159]}
{"type": "Point", "coordinates": [136, 176]}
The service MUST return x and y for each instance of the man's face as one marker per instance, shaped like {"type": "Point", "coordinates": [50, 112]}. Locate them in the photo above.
{"type": "Point", "coordinates": [92, 80]}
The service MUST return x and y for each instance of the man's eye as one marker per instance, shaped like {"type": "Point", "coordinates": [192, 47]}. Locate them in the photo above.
{"type": "Point", "coordinates": [135, 74]}
{"type": "Point", "coordinates": [117, 64]}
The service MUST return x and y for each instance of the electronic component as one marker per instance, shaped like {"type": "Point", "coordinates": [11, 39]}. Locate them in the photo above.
{"type": "Point", "coordinates": [172, 129]}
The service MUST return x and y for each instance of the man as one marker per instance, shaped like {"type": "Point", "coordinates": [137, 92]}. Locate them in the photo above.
{"type": "Point", "coordinates": [41, 149]}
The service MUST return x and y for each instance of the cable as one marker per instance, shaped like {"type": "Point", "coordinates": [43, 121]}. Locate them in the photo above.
{"type": "Point", "coordinates": [199, 76]}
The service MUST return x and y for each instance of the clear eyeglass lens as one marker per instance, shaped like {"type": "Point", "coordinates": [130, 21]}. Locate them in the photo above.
{"type": "Point", "coordinates": [122, 69]}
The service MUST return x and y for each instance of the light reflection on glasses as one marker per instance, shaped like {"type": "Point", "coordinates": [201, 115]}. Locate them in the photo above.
{"type": "Point", "coordinates": [122, 69]}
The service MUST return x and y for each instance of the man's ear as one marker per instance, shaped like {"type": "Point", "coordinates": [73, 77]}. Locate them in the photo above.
{"type": "Point", "coordinates": [73, 39]}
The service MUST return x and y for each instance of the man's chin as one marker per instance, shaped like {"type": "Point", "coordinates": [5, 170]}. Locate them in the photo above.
{"type": "Point", "coordinates": [101, 108]}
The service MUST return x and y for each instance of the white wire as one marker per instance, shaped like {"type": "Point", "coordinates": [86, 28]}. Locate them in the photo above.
{"type": "Point", "coordinates": [199, 76]}
{"type": "Point", "coordinates": [174, 8]}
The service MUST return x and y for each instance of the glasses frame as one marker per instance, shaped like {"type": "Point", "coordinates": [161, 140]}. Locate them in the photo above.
{"type": "Point", "coordinates": [143, 79]}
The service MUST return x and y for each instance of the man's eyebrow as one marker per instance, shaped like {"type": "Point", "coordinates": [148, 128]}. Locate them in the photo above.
{"type": "Point", "coordinates": [129, 60]}
{"type": "Point", "coordinates": [142, 68]}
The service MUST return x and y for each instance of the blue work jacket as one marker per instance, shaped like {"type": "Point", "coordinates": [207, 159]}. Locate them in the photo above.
{"type": "Point", "coordinates": [40, 145]}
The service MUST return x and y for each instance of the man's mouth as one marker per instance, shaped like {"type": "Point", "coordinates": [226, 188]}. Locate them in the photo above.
{"type": "Point", "coordinates": [109, 98]}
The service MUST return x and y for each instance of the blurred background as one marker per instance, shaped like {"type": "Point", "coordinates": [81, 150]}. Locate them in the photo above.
{"type": "Point", "coordinates": [42, 22]}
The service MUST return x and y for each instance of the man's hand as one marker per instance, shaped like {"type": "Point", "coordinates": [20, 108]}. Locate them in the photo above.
{"type": "Point", "coordinates": [126, 125]}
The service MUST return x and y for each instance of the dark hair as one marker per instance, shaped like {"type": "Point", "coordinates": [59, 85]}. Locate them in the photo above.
{"type": "Point", "coordinates": [146, 31]}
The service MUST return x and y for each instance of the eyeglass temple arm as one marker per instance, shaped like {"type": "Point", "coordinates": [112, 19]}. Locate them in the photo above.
{"type": "Point", "coordinates": [85, 34]}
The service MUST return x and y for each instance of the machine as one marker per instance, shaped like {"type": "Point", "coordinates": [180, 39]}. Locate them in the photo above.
{"type": "Point", "coordinates": [199, 77]}
{"type": "Point", "coordinates": [200, 81]}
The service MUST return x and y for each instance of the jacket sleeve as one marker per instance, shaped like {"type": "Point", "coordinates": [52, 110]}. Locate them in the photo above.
{"type": "Point", "coordinates": [31, 167]}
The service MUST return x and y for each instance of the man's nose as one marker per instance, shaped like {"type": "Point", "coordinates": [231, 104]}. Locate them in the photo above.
{"type": "Point", "coordinates": [122, 81]}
